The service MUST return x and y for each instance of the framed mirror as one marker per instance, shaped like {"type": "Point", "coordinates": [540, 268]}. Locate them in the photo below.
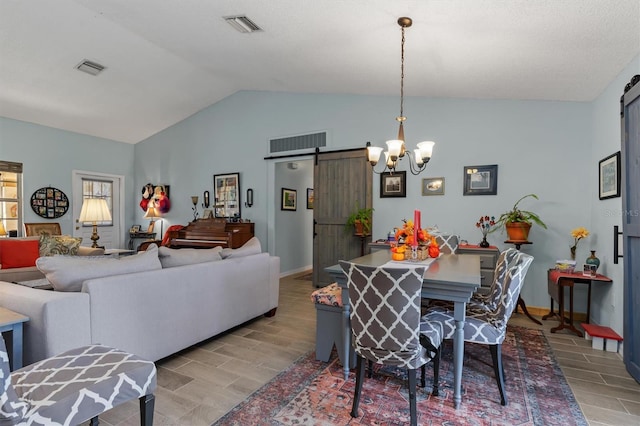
{"type": "Point", "coordinates": [226, 191]}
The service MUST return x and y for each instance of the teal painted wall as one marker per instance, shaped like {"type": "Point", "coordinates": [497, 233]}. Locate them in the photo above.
{"type": "Point", "coordinates": [50, 155]}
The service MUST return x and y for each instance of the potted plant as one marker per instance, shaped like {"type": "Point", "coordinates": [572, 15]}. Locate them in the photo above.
{"type": "Point", "coordinates": [517, 222]}
{"type": "Point", "coordinates": [360, 220]}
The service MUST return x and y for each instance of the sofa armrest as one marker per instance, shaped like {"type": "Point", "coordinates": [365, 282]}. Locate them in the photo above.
{"type": "Point", "coordinates": [58, 321]}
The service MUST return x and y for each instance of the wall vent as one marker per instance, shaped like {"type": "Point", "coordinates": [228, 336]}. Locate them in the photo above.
{"type": "Point", "coordinates": [295, 143]}
{"type": "Point", "coordinates": [90, 67]}
{"type": "Point", "coordinates": [242, 24]}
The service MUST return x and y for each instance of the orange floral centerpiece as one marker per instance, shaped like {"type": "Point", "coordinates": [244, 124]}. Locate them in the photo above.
{"type": "Point", "coordinates": [405, 237]}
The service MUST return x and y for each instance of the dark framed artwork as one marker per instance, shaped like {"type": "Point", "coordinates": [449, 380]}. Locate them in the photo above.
{"type": "Point", "coordinates": [310, 198]}
{"type": "Point", "coordinates": [226, 193]}
{"type": "Point", "coordinates": [609, 176]}
{"type": "Point", "coordinates": [433, 186]}
{"type": "Point", "coordinates": [393, 184]}
{"type": "Point", "coordinates": [480, 180]}
{"type": "Point", "coordinates": [288, 199]}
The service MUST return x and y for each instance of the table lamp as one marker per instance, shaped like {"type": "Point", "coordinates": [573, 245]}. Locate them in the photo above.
{"type": "Point", "coordinates": [153, 214]}
{"type": "Point", "coordinates": [95, 210]}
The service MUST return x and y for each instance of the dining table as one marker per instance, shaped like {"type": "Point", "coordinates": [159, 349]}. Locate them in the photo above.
{"type": "Point", "coordinates": [450, 277]}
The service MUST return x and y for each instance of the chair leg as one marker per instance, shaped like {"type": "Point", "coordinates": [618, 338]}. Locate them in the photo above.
{"type": "Point", "coordinates": [436, 373]}
{"type": "Point", "coordinates": [370, 370]}
{"type": "Point", "coordinates": [412, 397]}
{"type": "Point", "coordinates": [359, 379]}
{"type": "Point", "coordinates": [147, 403]}
{"type": "Point", "coordinates": [423, 381]}
{"type": "Point", "coordinates": [496, 355]}
{"type": "Point", "coordinates": [94, 421]}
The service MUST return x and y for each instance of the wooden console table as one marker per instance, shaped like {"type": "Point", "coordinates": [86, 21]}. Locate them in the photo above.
{"type": "Point", "coordinates": [556, 283]}
{"type": "Point", "coordinates": [12, 321]}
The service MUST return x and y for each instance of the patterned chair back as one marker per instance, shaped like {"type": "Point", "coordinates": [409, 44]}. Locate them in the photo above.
{"type": "Point", "coordinates": [508, 287]}
{"type": "Point", "coordinates": [385, 314]}
{"type": "Point", "coordinates": [494, 295]}
{"type": "Point", "coordinates": [448, 243]}
{"type": "Point", "coordinates": [12, 409]}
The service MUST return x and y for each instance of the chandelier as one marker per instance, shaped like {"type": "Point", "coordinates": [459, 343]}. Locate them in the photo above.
{"type": "Point", "coordinates": [396, 148]}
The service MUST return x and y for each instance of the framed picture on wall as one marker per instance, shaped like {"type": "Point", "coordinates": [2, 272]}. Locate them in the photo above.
{"type": "Point", "coordinates": [433, 186]}
{"type": "Point", "coordinates": [310, 198]}
{"type": "Point", "coordinates": [480, 180]}
{"type": "Point", "coordinates": [609, 176]}
{"type": "Point", "coordinates": [288, 199]}
{"type": "Point", "coordinates": [393, 184]}
{"type": "Point", "coordinates": [226, 192]}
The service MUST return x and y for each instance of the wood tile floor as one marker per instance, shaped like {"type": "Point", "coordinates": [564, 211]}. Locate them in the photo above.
{"type": "Point", "coordinates": [199, 385]}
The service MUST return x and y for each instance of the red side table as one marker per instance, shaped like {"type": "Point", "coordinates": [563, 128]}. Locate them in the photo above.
{"type": "Point", "coordinates": [557, 281]}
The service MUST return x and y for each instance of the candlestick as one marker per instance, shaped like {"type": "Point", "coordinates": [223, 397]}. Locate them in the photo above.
{"type": "Point", "coordinates": [416, 219]}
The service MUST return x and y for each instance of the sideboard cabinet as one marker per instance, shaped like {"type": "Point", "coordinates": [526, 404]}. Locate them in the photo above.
{"type": "Point", "coordinates": [488, 260]}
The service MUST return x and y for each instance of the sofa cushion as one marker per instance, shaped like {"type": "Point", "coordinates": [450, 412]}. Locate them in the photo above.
{"type": "Point", "coordinates": [68, 273]}
{"type": "Point", "coordinates": [187, 256]}
{"type": "Point", "coordinates": [250, 247]}
{"type": "Point", "coordinates": [51, 245]}
{"type": "Point", "coordinates": [16, 253]}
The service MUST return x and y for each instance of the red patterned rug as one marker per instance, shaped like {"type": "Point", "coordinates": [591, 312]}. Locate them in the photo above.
{"type": "Point", "coordinates": [311, 392]}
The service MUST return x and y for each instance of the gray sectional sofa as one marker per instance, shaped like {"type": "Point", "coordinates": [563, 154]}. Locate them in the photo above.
{"type": "Point", "coordinates": [152, 313]}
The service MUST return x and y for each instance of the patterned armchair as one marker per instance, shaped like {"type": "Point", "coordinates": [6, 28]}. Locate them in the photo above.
{"type": "Point", "coordinates": [75, 386]}
{"type": "Point", "coordinates": [386, 325]}
{"type": "Point", "coordinates": [486, 324]}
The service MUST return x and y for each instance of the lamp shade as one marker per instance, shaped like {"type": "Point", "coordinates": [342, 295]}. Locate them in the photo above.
{"type": "Point", "coordinates": [94, 210]}
{"type": "Point", "coordinates": [152, 213]}
{"type": "Point", "coordinates": [3, 231]}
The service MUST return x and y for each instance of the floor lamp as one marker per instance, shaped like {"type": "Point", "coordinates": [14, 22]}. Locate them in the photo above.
{"type": "Point", "coordinates": [94, 210]}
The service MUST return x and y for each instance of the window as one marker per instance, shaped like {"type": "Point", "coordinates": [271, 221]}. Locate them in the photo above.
{"type": "Point", "coordinates": [99, 189]}
{"type": "Point", "coordinates": [11, 215]}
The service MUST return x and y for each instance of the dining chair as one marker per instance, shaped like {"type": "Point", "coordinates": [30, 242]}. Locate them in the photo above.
{"type": "Point", "coordinates": [448, 244]}
{"type": "Point", "coordinates": [386, 325]}
{"type": "Point", "coordinates": [75, 386]}
{"type": "Point", "coordinates": [489, 326]}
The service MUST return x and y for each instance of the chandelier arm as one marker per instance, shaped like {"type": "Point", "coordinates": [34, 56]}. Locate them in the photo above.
{"type": "Point", "coordinates": [415, 170]}
{"type": "Point", "coordinates": [379, 173]}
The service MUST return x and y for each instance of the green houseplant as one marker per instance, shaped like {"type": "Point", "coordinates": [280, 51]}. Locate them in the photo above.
{"type": "Point", "coordinates": [517, 222]}
{"type": "Point", "coordinates": [360, 220]}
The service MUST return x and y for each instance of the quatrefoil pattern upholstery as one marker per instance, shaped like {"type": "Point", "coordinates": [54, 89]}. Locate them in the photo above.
{"type": "Point", "coordinates": [488, 326]}
{"type": "Point", "coordinates": [385, 315]}
{"type": "Point", "coordinates": [73, 387]}
{"type": "Point", "coordinates": [448, 243]}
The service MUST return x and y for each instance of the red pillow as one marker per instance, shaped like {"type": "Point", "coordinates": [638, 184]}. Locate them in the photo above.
{"type": "Point", "coordinates": [18, 253]}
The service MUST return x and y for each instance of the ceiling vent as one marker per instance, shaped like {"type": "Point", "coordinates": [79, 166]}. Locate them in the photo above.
{"type": "Point", "coordinates": [89, 67]}
{"type": "Point", "coordinates": [242, 24]}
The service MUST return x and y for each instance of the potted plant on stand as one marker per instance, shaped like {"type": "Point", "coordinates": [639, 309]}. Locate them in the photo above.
{"type": "Point", "coordinates": [518, 222]}
{"type": "Point", "coordinates": [360, 221]}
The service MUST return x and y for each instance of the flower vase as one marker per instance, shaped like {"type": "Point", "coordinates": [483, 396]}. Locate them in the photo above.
{"type": "Point", "coordinates": [484, 243]}
{"type": "Point", "coordinates": [573, 252]}
{"type": "Point", "coordinates": [593, 260]}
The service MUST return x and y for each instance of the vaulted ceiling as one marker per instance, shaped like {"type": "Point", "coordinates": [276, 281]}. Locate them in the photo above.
{"type": "Point", "coordinates": [166, 60]}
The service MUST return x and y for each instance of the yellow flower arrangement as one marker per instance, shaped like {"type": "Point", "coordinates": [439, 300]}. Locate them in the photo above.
{"type": "Point", "coordinates": [577, 234]}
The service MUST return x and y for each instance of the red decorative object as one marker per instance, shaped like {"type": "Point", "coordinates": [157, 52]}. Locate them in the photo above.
{"type": "Point", "coordinates": [434, 249]}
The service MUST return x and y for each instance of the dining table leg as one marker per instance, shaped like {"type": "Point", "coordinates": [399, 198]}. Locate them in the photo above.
{"type": "Point", "coordinates": [458, 351]}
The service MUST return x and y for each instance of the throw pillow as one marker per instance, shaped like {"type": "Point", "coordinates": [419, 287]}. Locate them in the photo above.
{"type": "Point", "coordinates": [51, 245]}
{"type": "Point", "coordinates": [18, 253]}
{"type": "Point", "coordinates": [250, 247]}
{"type": "Point", "coordinates": [68, 273]}
{"type": "Point", "coordinates": [187, 256]}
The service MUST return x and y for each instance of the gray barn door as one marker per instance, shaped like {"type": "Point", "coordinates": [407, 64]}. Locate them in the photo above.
{"type": "Point", "coordinates": [339, 179]}
{"type": "Point", "coordinates": [631, 226]}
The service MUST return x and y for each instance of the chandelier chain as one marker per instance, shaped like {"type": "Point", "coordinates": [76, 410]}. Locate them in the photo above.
{"type": "Point", "coordinates": [402, 76]}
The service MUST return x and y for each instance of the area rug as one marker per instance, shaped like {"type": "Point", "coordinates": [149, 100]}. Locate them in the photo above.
{"type": "Point", "coordinates": [311, 392]}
